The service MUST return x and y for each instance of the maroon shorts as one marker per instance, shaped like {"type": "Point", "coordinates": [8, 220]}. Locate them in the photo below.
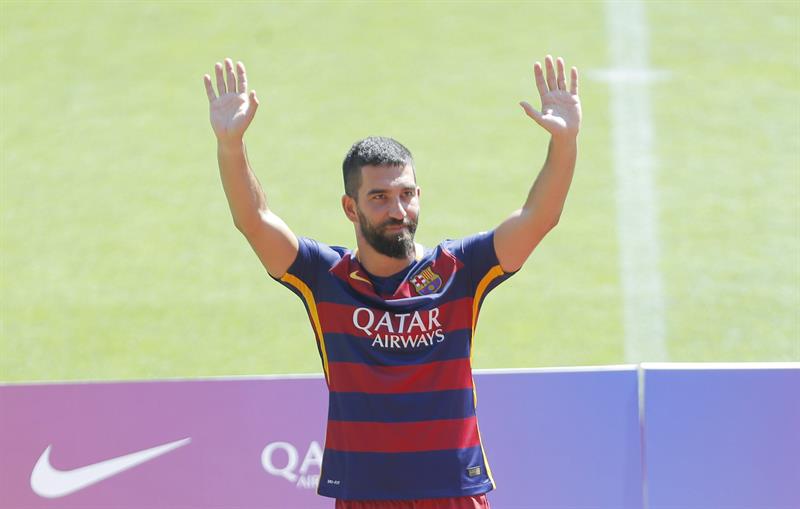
{"type": "Point", "coordinates": [473, 502]}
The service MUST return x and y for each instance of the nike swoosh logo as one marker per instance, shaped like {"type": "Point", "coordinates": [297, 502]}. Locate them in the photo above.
{"type": "Point", "coordinates": [49, 482]}
{"type": "Point", "coordinates": [355, 276]}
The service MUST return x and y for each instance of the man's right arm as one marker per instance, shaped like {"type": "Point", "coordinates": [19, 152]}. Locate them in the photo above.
{"type": "Point", "coordinates": [272, 240]}
{"type": "Point", "coordinates": [231, 113]}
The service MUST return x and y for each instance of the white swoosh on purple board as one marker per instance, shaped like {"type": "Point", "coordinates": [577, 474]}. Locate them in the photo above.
{"type": "Point", "coordinates": [49, 482]}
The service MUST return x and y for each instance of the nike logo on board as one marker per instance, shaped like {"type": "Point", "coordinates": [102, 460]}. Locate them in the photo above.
{"type": "Point", "coordinates": [50, 482]}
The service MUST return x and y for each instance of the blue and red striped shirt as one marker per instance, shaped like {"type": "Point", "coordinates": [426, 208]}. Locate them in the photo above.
{"type": "Point", "coordinates": [401, 418]}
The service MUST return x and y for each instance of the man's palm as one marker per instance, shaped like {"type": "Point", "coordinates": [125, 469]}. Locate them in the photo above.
{"type": "Point", "coordinates": [230, 115]}
{"type": "Point", "coordinates": [560, 112]}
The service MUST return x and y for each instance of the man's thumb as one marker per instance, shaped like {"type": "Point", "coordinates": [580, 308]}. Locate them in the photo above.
{"type": "Point", "coordinates": [531, 112]}
{"type": "Point", "coordinates": [251, 110]}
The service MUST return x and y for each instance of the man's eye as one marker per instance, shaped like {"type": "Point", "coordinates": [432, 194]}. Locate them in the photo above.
{"type": "Point", "coordinates": [410, 194]}
{"type": "Point", "coordinates": [378, 196]}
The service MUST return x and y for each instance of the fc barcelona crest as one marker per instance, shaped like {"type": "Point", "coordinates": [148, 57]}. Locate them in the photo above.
{"type": "Point", "coordinates": [427, 281]}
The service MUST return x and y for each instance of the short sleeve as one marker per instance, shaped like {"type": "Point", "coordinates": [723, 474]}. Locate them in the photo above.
{"type": "Point", "coordinates": [479, 257]}
{"type": "Point", "coordinates": [305, 267]}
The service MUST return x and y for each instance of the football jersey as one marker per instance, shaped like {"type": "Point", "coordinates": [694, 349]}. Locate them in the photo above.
{"type": "Point", "coordinates": [401, 415]}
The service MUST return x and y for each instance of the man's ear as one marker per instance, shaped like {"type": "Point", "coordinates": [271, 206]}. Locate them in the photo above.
{"type": "Point", "coordinates": [349, 207]}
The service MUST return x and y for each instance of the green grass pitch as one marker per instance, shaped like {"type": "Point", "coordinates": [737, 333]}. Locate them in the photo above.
{"type": "Point", "coordinates": [120, 260]}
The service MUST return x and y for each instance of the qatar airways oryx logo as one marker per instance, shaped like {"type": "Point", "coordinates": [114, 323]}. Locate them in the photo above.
{"type": "Point", "coordinates": [400, 330]}
{"type": "Point", "coordinates": [281, 459]}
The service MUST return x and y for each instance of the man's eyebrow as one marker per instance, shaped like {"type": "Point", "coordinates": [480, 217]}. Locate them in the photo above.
{"type": "Point", "coordinates": [411, 187]}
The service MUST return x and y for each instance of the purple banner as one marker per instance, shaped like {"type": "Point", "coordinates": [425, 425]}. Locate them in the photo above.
{"type": "Point", "coordinates": [562, 438]}
{"type": "Point", "coordinates": [257, 442]}
{"type": "Point", "coordinates": [723, 436]}
{"type": "Point", "coordinates": [237, 444]}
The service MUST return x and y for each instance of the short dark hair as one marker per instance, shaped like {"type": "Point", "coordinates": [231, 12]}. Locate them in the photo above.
{"type": "Point", "coordinates": [372, 151]}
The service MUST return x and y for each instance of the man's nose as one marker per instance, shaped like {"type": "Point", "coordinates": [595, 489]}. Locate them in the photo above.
{"type": "Point", "coordinates": [397, 210]}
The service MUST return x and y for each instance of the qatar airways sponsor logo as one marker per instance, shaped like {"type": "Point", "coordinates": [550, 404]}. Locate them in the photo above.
{"type": "Point", "coordinates": [282, 459]}
{"type": "Point", "coordinates": [400, 330]}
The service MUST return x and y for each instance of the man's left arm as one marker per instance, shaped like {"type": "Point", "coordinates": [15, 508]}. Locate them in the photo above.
{"type": "Point", "coordinates": [560, 115]}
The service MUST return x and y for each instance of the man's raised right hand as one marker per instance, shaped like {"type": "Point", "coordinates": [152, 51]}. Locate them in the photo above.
{"type": "Point", "coordinates": [234, 109]}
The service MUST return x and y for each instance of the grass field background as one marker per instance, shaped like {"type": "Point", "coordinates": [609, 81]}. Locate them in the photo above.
{"type": "Point", "coordinates": [120, 259]}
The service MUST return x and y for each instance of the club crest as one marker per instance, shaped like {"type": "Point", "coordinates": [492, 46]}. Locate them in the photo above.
{"type": "Point", "coordinates": [427, 281]}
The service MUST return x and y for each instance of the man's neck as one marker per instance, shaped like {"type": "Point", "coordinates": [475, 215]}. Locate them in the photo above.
{"type": "Point", "coordinates": [381, 265]}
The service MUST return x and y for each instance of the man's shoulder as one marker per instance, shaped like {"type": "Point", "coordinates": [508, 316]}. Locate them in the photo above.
{"type": "Point", "coordinates": [458, 246]}
{"type": "Point", "coordinates": [326, 253]}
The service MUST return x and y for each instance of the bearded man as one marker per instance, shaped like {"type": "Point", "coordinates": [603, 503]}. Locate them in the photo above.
{"type": "Point", "coordinates": [395, 322]}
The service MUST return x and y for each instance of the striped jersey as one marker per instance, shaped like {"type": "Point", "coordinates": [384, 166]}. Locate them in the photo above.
{"type": "Point", "coordinates": [397, 362]}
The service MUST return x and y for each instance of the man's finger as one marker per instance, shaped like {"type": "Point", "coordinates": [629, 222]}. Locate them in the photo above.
{"type": "Point", "coordinates": [562, 83]}
{"type": "Point", "coordinates": [573, 81]}
{"type": "Point", "coordinates": [229, 74]}
{"type": "Point", "coordinates": [550, 73]}
{"type": "Point", "coordinates": [242, 88]}
{"type": "Point", "coordinates": [539, 77]}
{"type": "Point", "coordinates": [209, 88]}
{"type": "Point", "coordinates": [221, 89]}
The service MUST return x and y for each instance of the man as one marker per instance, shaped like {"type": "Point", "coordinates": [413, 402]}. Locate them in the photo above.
{"type": "Point", "coordinates": [394, 322]}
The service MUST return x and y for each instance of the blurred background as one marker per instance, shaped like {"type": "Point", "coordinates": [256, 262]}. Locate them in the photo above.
{"type": "Point", "coordinates": [120, 259]}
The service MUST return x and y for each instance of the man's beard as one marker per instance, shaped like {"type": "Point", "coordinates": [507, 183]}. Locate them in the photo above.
{"type": "Point", "coordinates": [393, 244]}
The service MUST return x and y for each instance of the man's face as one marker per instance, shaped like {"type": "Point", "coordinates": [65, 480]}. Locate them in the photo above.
{"type": "Point", "coordinates": [388, 209]}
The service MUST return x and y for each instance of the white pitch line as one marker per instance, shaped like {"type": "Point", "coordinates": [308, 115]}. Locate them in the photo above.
{"type": "Point", "coordinates": [634, 166]}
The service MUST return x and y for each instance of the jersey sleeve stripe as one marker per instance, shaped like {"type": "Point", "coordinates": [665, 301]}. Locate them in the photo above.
{"type": "Point", "coordinates": [308, 297]}
{"type": "Point", "coordinates": [382, 437]}
{"type": "Point", "coordinates": [493, 273]}
{"type": "Point", "coordinates": [480, 291]}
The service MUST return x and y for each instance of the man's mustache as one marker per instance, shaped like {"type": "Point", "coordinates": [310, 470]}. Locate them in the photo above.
{"type": "Point", "coordinates": [397, 222]}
